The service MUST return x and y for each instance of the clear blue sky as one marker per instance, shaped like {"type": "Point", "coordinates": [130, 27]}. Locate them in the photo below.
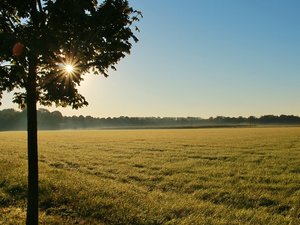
{"type": "Point", "coordinates": [204, 58]}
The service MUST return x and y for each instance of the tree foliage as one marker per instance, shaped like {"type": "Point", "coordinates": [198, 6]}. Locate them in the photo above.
{"type": "Point", "coordinates": [92, 36]}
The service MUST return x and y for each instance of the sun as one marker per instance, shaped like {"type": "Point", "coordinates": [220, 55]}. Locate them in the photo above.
{"type": "Point", "coordinates": [69, 68]}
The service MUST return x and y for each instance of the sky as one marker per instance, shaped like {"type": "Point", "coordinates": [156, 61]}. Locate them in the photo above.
{"type": "Point", "coordinates": [203, 58]}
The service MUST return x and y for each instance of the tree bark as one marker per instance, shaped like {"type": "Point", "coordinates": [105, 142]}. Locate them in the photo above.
{"type": "Point", "coordinates": [32, 145]}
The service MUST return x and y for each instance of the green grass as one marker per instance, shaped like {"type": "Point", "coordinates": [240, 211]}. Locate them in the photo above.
{"type": "Point", "coordinates": [200, 176]}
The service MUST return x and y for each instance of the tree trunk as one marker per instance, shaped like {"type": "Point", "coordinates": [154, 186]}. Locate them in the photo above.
{"type": "Point", "coordinates": [32, 145]}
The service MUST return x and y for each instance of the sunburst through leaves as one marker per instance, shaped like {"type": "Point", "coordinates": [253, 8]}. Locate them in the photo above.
{"type": "Point", "coordinates": [69, 68]}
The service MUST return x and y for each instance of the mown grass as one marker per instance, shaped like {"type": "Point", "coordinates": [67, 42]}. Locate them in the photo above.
{"type": "Point", "coordinates": [200, 176]}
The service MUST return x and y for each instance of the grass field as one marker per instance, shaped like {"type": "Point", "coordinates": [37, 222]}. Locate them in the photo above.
{"type": "Point", "coordinates": [201, 176]}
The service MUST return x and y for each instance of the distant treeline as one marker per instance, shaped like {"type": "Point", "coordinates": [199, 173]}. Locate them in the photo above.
{"type": "Point", "coordinates": [11, 119]}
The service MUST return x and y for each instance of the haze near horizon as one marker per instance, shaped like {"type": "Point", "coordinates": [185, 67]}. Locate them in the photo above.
{"type": "Point", "coordinates": [203, 58]}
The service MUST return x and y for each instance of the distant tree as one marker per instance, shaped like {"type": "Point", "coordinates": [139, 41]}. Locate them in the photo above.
{"type": "Point", "coordinates": [7, 116]}
{"type": "Point", "coordinates": [46, 46]}
{"type": "Point", "coordinates": [252, 120]}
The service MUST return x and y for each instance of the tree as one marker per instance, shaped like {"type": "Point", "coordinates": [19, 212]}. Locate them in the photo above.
{"type": "Point", "coordinates": [47, 46]}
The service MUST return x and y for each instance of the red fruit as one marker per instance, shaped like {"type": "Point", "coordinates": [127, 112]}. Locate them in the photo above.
{"type": "Point", "coordinates": [18, 49]}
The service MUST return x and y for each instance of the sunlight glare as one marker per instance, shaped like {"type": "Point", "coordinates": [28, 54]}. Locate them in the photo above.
{"type": "Point", "coordinates": [69, 68]}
